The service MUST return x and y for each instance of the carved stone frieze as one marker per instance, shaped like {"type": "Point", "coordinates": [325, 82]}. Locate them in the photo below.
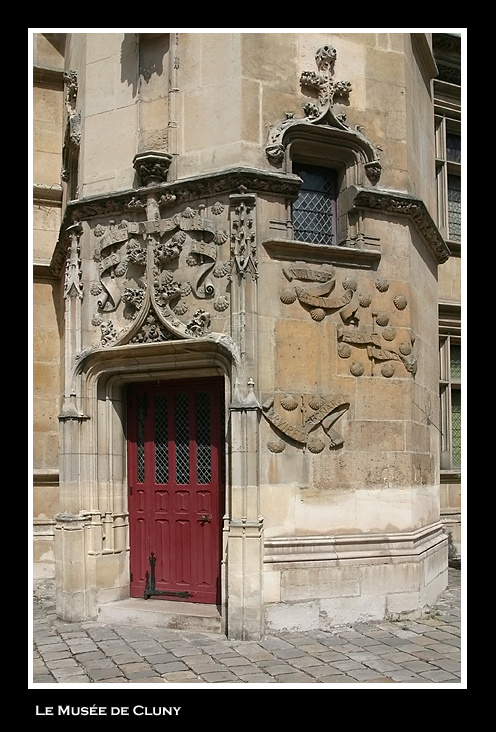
{"type": "Point", "coordinates": [296, 419]}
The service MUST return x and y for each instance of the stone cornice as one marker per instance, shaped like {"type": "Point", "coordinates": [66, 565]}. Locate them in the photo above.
{"type": "Point", "coordinates": [424, 50]}
{"type": "Point", "coordinates": [401, 204]}
{"type": "Point", "coordinates": [44, 194]}
{"type": "Point", "coordinates": [174, 193]}
{"type": "Point", "coordinates": [48, 77]}
{"type": "Point", "coordinates": [291, 250]}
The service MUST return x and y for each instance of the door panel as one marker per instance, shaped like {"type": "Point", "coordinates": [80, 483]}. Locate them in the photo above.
{"type": "Point", "coordinates": [175, 489]}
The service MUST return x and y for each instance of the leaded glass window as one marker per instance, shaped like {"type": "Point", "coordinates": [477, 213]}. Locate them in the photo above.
{"type": "Point", "coordinates": [314, 211]}
{"type": "Point", "coordinates": [450, 392]}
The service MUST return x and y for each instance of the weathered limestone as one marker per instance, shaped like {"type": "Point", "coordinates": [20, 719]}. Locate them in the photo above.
{"type": "Point", "coordinates": [177, 259]}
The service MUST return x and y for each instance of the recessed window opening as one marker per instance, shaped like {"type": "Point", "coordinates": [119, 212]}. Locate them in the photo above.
{"type": "Point", "coordinates": [314, 211]}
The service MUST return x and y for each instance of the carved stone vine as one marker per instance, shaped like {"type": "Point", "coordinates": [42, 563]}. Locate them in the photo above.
{"type": "Point", "coordinates": [296, 418]}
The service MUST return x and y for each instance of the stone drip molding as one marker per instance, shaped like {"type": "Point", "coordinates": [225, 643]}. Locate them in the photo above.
{"type": "Point", "coordinates": [297, 417]}
{"type": "Point", "coordinates": [321, 115]}
{"type": "Point", "coordinates": [384, 338]}
{"type": "Point", "coordinates": [170, 194]}
{"type": "Point", "coordinates": [401, 204]}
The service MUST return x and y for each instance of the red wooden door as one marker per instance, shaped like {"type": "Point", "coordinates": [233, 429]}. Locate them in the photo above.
{"type": "Point", "coordinates": [175, 486]}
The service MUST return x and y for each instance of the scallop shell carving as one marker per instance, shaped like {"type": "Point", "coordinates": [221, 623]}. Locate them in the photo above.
{"type": "Point", "coordinates": [364, 300]}
{"type": "Point", "coordinates": [389, 334]}
{"type": "Point", "coordinates": [382, 319]}
{"type": "Point", "coordinates": [220, 237]}
{"type": "Point", "coordinates": [387, 370]}
{"type": "Point", "coordinates": [382, 284]}
{"type": "Point", "coordinates": [405, 349]}
{"type": "Point", "coordinates": [97, 319]}
{"type": "Point", "coordinates": [217, 208]}
{"type": "Point", "coordinates": [185, 289]}
{"type": "Point", "coordinates": [315, 445]}
{"type": "Point", "coordinates": [96, 289]}
{"type": "Point", "coordinates": [99, 230]}
{"type": "Point", "coordinates": [356, 368]}
{"type": "Point", "coordinates": [288, 295]}
{"type": "Point", "coordinates": [316, 402]}
{"type": "Point", "coordinates": [317, 314]}
{"type": "Point", "coordinates": [222, 303]}
{"type": "Point", "coordinates": [179, 238]}
{"type": "Point", "coordinates": [221, 270]}
{"type": "Point", "coordinates": [350, 284]}
{"type": "Point", "coordinates": [400, 302]}
{"type": "Point", "coordinates": [344, 350]}
{"type": "Point", "coordinates": [180, 308]}
{"type": "Point", "coordinates": [276, 445]}
{"type": "Point", "coordinates": [289, 402]}
{"type": "Point", "coordinates": [191, 260]}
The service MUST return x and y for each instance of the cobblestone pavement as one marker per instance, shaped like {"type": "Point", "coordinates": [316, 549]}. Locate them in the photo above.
{"type": "Point", "coordinates": [423, 651]}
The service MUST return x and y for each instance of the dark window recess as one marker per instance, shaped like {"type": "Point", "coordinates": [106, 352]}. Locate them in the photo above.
{"type": "Point", "coordinates": [314, 211]}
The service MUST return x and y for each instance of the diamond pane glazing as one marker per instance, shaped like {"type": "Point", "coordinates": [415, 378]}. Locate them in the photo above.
{"type": "Point", "coordinates": [140, 435]}
{"type": "Point", "coordinates": [456, 427]}
{"type": "Point", "coordinates": [313, 211]}
{"type": "Point", "coordinates": [203, 447]}
{"type": "Point", "coordinates": [456, 362]}
{"type": "Point", "coordinates": [454, 207]}
{"type": "Point", "coordinates": [161, 440]}
{"type": "Point", "coordinates": [181, 423]}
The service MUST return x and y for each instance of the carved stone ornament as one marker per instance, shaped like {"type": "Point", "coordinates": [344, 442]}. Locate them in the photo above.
{"type": "Point", "coordinates": [321, 113]}
{"type": "Point", "coordinates": [243, 234]}
{"type": "Point", "coordinates": [298, 425]}
{"type": "Point", "coordinates": [152, 167]}
{"type": "Point", "coordinates": [152, 273]}
{"type": "Point", "coordinates": [73, 286]}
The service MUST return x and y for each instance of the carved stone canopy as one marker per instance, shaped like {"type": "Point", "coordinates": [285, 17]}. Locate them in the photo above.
{"type": "Point", "coordinates": [321, 114]}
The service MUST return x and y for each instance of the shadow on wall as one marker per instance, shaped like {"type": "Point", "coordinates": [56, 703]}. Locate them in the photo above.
{"type": "Point", "coordinates": [142, 56]}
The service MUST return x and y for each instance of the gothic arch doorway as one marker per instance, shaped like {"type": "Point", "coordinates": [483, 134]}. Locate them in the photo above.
{"type": "Point", "coordinates": [176, 487]}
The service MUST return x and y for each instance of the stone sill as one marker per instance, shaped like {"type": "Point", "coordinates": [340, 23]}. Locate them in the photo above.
{"type": "Point", "coordinates": [292, 250]}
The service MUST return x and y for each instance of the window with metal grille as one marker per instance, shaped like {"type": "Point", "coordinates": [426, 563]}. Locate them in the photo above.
{"type": "Point", "coordinates": [450, 393]}
{"type": "Point", "coordinates": [314, 211]}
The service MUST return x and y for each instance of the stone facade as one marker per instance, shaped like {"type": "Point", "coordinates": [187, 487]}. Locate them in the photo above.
{"type": "Point", "coordinates": [165, 248]}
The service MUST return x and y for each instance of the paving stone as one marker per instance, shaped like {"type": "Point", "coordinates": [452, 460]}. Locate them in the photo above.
{"type": "Point", "coordinates": [296, 679]}
{"type": "Point", "coordinates": [288, 653]}
{"type": "Point", "coordinates": [383, 666]}
{"type": "Point", "coordinates": [259, 678]}
{"type": "Point", "coordinates": [338, 679]}
{"type": "Point", "coordinates": [89, 655]}
{"type": "Point", "coordinates": [54, 655]}
{"type": "Point", "coordinates": [61, 663]}
{"type": "Point", "coordinates": [279, 669]}
{"type": "Point", "coordinates": [164, 668]}
{"type": "Point", "coordinates": [231, 662]}
{"type": "Point", "coordinates": [347, 665]}
{"type": "Point", "coordinates": [362, 674]}
{"type": "Point", "coordinates": [305, 662]}
{"type": "Point", "coordinates": [440, 676]}
{"type": "Point", "coordinates": [156, 658]}
{"type": "Point", "coordinates": [427, 655]}
{"type": "Point", "coordinates": [104, 673]}
{"type": "Point", "coordinates": [218, 676]}
{"type": "Point", "coordinates": [43, 679]}
{"type": "Point", "coordinates": [180, 676]}
{"type": "Point", "coordinates": [99, 663]}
